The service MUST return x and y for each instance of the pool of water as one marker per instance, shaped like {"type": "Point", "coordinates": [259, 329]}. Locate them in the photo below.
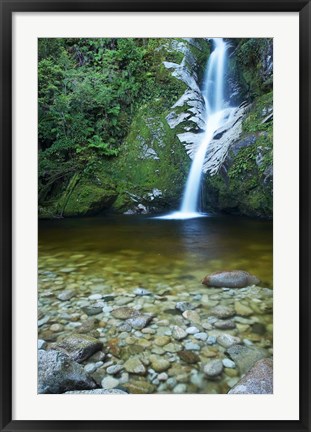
{"type": "Point", "coordinates": [158, 248]}
{"type": "Point", "coordinates": [114, 255]}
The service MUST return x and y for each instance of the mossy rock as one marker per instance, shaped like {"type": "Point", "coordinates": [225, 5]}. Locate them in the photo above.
{"type": "Point", "coordinates": [89, 199]}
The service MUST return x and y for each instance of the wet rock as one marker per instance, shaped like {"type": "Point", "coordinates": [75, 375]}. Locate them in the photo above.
{"type": "Point", "coordinates": [245, 357]}
{"type": "Point", "coordinates": [159, 364]}
{"type": "Point", "coordinates": [124, 313]}
{"type": "Point", "coordinates": [66, 295]}
{"type": "Point", "coordinates": [223, 311]}
{"type": "Point", "coordinates": [56, 328]}
{"type": "Point", "coordinates": [41, 344]}
{"type": "Point", "coordinates": [259, 380]}
{"type": "Point", "coordinates": [225, 324]}
{"type": "Point", "coordinates": [141, 292]}
{"type": "Point", "coordinates": [192, 316]}
{"type": "Point", "coordinates": [97, 357]}
{"type": "Point", "coordinates": [162, 376]}
{"type": "Point", "coordinates": [184, 306]}
{"type": "Point", "coordinates": [139, 387]}
{"type": "Point", "coordinates": [135, 366]}
{"type": "Point", "coordinates": [172, 348]}
{"type": "Point", "coordinates": [109, 383]}
{"type": "Point", "coordinates": [178, 333]}
{"type": "Point", "coordinates": [228, 363]}
{"type": "Point", "coordinates": [230, 279]}
{"type": "Point", "coordinates": [242, 309]}
{"type": "Point", "coordinates": [213, 368]}
{"type": "Point", "coordinates": [211, 340]}
{"type": "Point", "coordinates": [161, 340]}
{"type": "Point", "coordinates": [95, 297]}
{"type": "Point", "coordinates": [43, 321]}
{"type": "Point", "coordinates": [90, 368]}
{"type": "Point", "coordinates": [192, 330]}
{"type": "Point", "coordinates": [78, 347]}
{"type": "Point", "coordinates": [140, 321]}
{"type": "Point", "coordinates": [188, 357]}
{"type": "Point", "coordinates": [114, 369]}
{"type": "Point", "coordinates": [57, 373]}
{"type": "Point", "coordinates": [92, 310]}
{"type": "Point", "coordinates": [227, 340]}
{"type": "Point", "coordinates": [192, 346]}
{"type": "Point", "coordinates": [180, 388]}
{"type": "Point", "coordinates": [88, 326]}
{"type": "Point", "coordinates": [98, 391]}
{"type": "Point", "coordinates": [259, 328]}
{"type": "Point", "coordinates": [201, 336]}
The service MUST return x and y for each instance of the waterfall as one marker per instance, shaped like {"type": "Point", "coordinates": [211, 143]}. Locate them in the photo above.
{"type": "Point", "coordinates": [215, 117]}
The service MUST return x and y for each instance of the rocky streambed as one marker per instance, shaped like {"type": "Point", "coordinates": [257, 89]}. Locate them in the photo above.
{"type": "Point", "coordinates": [100, 335]}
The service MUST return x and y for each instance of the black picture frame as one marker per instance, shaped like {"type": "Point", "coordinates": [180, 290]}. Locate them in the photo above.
{"type": "Point", "coordinates": [8, 7]}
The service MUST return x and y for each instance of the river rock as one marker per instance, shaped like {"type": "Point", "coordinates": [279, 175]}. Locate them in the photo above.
{"type": "Point", "coordinates": [92, 309]}
{"type": "Point", "coordinates": [41, 344]}
{"type": "Point", "coordinates": [192, 316]}
{"type": "Point", "coordinates": [192, 330]}
{"type": "Point", "coordinates": [245, 357]}
{"type": "Point", "coordinates": [178, 333]}
{"type": "Point", "coordinates": [98, 391]}
{"type": "Point", "coordinates": [114, 369]}
{"type": "Point", "coordinates": [225, 324]}
{"type": "Point", "coordinates": [221, 311]}
{"type": "Point", "coordinates": [78, 347]}
{"type": "Point", "coordinates": [124, 313]}
{"type": "Point", "coordinates": [159, 364]}
{"type": "Point", "coordinates": [140, 321]}
{"type": "Point", "coordinates": [183, 306]}
{"type": "Point", "coordinates": [109, 383]}
{"type": "Point", "coordinates": [230, 279]}
{"type": "Point", "coordinates": [213, 368]}
{"type": "Point", "coordinates": [228, 363]}
{"type": "Point", "coordinates": [141, 292]}
{"type": "Point", "coordinates": [227, 340]}
{"type": "Point", "coordinates": [188, 357]}
{"type": "Point", "coordinates": [134, 365]}
{"type": "Point", "coordinates": [57, 373]}
{"type": "Point", "coordinates": [259, 380]}
{"type": "Point", "coordinates": [139, 387]}
{"type": "Point", "coordinates": [242, 309]}
{"type": "Point", "coordinates": [66, 295]}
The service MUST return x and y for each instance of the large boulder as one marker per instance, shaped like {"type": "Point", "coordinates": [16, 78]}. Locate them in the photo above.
{"type": "Point", "coordinates": [78, 347]}
{"type": "Point", "coordinates": [259, 380]}
{"type": "Point", "coordinates": [57, 373]}
{"type": "Point", "coordinates": [230, 279]}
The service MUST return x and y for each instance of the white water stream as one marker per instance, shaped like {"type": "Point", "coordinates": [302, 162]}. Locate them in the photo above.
{"type": "Point", "coordinates": [216, 117]}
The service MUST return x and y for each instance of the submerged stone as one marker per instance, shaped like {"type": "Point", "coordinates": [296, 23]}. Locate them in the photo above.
{"type": "Point", "coordinates": [78, 347]}
{"type": "Point", "coordinates": [230, 279]}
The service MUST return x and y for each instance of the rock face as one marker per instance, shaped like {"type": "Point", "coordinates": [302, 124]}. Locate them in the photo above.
{"type": "Point", "coordinates": [230, 279]}
{"type": "Point", "coordinates": [79, 347]}
{"type": "Point", "coordinates": [259, 380]}
{"type": "Point", "coordinates": [57, 373]}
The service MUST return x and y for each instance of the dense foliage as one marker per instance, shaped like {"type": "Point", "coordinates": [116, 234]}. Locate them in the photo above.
{"type": "Point", "coordinates": [89, 91]}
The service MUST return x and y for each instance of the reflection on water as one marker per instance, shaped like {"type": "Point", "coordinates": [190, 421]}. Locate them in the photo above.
{"type": "Point", "coordinates": [141, 244]}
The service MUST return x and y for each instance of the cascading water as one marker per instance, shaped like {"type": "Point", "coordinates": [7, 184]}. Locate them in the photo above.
{"type": "Point", "coordinates": [216, 116]}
